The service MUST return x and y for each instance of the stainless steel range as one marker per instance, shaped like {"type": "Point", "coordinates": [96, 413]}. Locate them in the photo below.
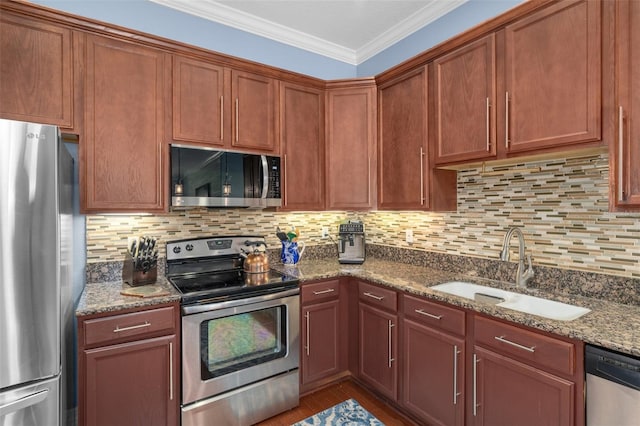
{"type": "Point", "coordinates": [240, 333]}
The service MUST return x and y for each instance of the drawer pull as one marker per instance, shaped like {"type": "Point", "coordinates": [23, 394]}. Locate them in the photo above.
{"type": "Point", "coordinates": [373, 296]}
{"type": "Point", "coordinates": [133, 327]}
{"type": "Point", "coordinates": [427, 314]}
{"type": "Point", "coordinates": [531, 349]}
{"type": "Point", "coordinates": [329, 290]}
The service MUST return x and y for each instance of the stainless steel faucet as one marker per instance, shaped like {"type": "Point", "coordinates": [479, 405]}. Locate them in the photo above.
{"type": "Point", "coordinates": [522, 276]}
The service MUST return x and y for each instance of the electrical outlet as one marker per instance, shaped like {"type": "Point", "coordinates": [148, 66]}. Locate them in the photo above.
{"type": "Point", "coordinates": [325, 232]}
{"type": "Point", "coordinates": [408, 235]}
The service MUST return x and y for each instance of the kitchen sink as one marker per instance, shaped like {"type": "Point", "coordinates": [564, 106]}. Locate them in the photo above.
{"type": "Point", "coordinates": [516, 301]}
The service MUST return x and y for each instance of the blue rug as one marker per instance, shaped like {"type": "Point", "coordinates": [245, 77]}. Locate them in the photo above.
{"type": "Point", "coordinates": [347, 413]}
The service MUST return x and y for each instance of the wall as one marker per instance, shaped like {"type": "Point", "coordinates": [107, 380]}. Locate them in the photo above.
{"type": "Point", "coordinates": [563, 210]}
{"type": "Point", "coordinates": [154, 19]}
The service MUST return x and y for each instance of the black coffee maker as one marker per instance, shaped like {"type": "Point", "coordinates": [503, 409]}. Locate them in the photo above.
{"type": "Point", "coordinates": [351, 247]}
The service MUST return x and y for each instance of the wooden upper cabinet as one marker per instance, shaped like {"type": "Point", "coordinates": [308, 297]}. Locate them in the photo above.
{"type": "Point", "coordinates": [302, 145]}
{"type": "Point", "coordinates": [552, 78]}
{"type": "Point", "coordinates": [351, 137]}
{"type": "Point", "coordinates": [625, 153]}
{"type": "Point", "coordinates": [402, 145]}
{"type": "Point", "coordinates": [254, 112]}
{"type": "Point", "coordinates": [122, 152]}
{"type": "Point", "coordinates": [36, 71]}
{"type": "Point", "coordinates": [465, 99]}
{"type": "Point", "coordinates": [201, 106]}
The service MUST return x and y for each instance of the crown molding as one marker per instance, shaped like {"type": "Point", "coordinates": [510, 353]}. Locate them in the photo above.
{"type": "Point", "coordinates": [222, 14]}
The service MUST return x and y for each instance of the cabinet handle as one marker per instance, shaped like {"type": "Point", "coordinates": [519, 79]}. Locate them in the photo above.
{"type": "Point", "coordinates": [237, 116]}
{"type": "Point", "coordinates": [421, 176]}
{"type": "Point", "coordinates": [221, 118]}
{"type": "Point", "coordinates": [329, 290]}
{"type": "Point", "coordinates": [506, 120]}
{"type": "Point", "coordinates": [455, 375]}
{"type": "Point", "coordinates": [373, 296]}
{"type": "Point", "coordinates": [531, 349]}
{"type": "Point", "coordinates": [284, 167]}
{"type": "Point", "coordinates": [133, 327]}
{"type": "Point", "coordinates": [307, 315]}
{"type": "Point", "coordinates": [390, 348]}
{"type": "Point", "coordinates": [475, 384]}
{"type": "Point", "coordinates": [171, 371]}
{"type": "Point", "coordinates": [369, 180]}
{"type": "Point", "coordinates": [620, 153]}
{"type": "Point", "coordinates": [488, 125]}
{"type": "Point", "coordinates": [427, 314]}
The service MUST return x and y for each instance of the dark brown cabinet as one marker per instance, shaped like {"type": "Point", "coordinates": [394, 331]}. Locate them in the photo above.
{"type": "Point", "coordinates": [123, 151]}
{"type": "Point", "coordinates": [129, 368]}
{"type": "Point", "coordinates": [523, 377]}
{"type": "Point", "coordinates": [302, 145]}
{"type": "Point", "coordinates": [255, 112]}
{"type": "Point", "coordinates": [323, 351]}
{"type": "Point", "coordinates": [433, 361]}
{"type": "Point", "coordinates": [378, 338]}
{"type": "Point", "coordinates": [465, 101]}
{"type": "Point", "coordinates": [625, 153]}
{"type": "Point", "coordinates": [36, 71]}
{"type": "Point", "coordinates": [351, 137]}
{"type": "Point", "coordinates": [201, 104]}
{"type": "Point", "coordinates": [551, 85]}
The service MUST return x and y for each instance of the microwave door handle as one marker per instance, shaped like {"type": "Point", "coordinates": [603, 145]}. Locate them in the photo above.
{"type": "Point", "coordinates": [265, 175]}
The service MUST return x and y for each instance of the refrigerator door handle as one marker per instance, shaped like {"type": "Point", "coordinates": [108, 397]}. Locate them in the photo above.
{"type": "Point", "coordinates": [24, 402]}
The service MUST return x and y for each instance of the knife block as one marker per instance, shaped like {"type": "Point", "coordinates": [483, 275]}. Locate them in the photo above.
{"type": "Point", "coordinates": [137, 277]}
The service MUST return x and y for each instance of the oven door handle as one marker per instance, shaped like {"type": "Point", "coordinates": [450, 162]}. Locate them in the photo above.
{"type": "Point", "coordinates": [199, 308]}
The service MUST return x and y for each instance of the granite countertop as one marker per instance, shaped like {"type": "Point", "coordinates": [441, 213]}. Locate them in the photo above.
{"type": "Point", "coordinates": [611, 325]}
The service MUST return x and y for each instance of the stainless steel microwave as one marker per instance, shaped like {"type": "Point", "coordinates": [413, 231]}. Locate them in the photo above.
{"type": "Point", "coordinates": [203, 177]}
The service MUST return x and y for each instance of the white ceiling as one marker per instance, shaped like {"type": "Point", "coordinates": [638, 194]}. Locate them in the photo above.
{"type": "Point", "coordinates": [351, 31]}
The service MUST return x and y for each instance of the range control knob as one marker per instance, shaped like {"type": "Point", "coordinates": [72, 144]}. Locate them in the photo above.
{"type": "Point", "coordinates": [189, 247]}
{"type": "Point", "coordinates": [177, 249]}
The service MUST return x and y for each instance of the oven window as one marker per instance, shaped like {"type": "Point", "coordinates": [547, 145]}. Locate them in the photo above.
{"type": "Point", "coordinates": [234, 342]}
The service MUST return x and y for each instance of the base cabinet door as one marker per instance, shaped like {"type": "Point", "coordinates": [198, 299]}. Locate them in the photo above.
{"type": "Point", "coordinates": [320, 358]}
{"type": "Point", "coordinates": [508, 392]}
{"type": "Point", "coordinates": [432, 374]}
{"type": "Point", "coordinates": [133, 383]}
{"type": "Point", "coordinates": [378, 349]}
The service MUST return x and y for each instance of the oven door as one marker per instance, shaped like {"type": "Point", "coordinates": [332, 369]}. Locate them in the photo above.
{"type": "Point", "coordinates": [227, 345]}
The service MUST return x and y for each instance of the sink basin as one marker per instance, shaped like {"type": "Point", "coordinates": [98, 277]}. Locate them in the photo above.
{"type": "Point", "coordinates": [516, 301]}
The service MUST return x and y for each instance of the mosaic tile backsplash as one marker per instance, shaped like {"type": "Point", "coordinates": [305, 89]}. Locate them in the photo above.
{"type": "Point", "coordinates": [563, 210]}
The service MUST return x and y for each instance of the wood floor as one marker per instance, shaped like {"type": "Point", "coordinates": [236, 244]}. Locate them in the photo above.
{"type": "Point", "coordinates": [330, 396]}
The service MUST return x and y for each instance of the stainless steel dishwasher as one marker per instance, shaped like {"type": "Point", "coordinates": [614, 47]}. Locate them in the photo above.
{"type": "Point", "coordinates": [613, 388]}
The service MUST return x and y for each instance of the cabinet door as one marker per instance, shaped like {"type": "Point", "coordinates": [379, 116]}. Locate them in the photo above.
{"type": "Point", "coordinates": [625, 158]}
{"type": "Point", "coordinates": [36, 71]}
{"type": "Point", "coordinates": [254, 112]}
{"type": "Point", "coordinates": [552, 77]}
{"type": "Point", "coordinates": [132, 384]}
{"type": "Point", "coordinates": [378, 349]}
{"type": "Point", "coordinates": [200, 110]}
{"type": "Point", "coordinates": [321, 343]}
{"type": "Point", "coordinates": [465, 92]}
{"type": "Point", "coordinates": [123, 148]}
{"type": "Point", "coordinates": [351, 117]}
{"type": "Point", "coordinates": [511, 393]}
{"type": "Point", "coordinates": [402, 145]}
{"type": "Point", "coordinates": [302, 144]}
{"type": "Point", "coordinates": [432, 374]}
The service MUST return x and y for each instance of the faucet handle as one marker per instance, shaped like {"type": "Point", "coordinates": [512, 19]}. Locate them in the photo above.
{"type": "Point", "coordinates": [528, 274]}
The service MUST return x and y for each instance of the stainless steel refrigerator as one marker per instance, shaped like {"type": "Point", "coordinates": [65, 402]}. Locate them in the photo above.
{"type": "Point", "coordinates": [36, 312]}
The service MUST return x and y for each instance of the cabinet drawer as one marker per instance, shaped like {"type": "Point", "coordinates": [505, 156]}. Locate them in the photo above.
{"type": "Point", "coordinates": [325, 290]}
{"type": "Point", "coordinates": [538, 349]}
{"type": "Point", "coordinates": [118, 328]}
{"type": "Point", "coordinates": [434, 314]}
{"type": "Point", "coordinates": [378, 296]}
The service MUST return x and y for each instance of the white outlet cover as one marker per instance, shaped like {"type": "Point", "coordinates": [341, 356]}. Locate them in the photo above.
{"type": "Point", "coordinates": [409, 236]}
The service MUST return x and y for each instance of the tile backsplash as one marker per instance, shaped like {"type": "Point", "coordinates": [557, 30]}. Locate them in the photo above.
{"type": "Point", "coordinates": [562, 208]}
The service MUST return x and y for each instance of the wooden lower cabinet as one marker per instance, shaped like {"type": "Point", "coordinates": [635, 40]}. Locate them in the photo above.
{"type": "Point", "coordinates": [129, 368]}
{"type": "Point", "coordinates": [509, 392]}
{"type": "Point", "coordinates": [323, 354]}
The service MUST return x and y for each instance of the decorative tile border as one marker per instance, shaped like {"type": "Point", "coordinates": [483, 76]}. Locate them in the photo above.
{"type": "Point", "coordinates": [563, 211]}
